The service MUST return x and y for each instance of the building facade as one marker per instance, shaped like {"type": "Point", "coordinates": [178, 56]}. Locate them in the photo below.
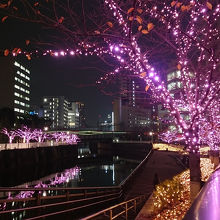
{"type": "Point", "coordinates": [62, 113]}
{"type": "Point", "coordinates": [14, 86]}
{"type": "Point", "coordinates": [132, 109]}
{"type": "Point", "coordinates": [76, 115]}
{"type": "Point", "coordinates": [174, 86]}
{"type": "Point", "coordinates": [73, 115]}
{"type": "Point", "coordinates": [56, 109]}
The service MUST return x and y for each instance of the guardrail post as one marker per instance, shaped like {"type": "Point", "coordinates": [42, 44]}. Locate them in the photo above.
{"type": "Point", "coordinates": [135, 206]}
{"type": "Point", "coordinates": [126, 210]}
{"type": "Point", "coordinates": [85, 193]}
{"type": "Point", "coordinates": [110, 215]}
{"type": "Point", "coordinates": [67, 195]}
{"type": "Point", "coordinates": [38, 198]}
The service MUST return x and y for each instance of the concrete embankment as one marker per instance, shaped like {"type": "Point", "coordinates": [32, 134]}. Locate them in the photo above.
{"type": "Point", "coordinates": [27, 157]}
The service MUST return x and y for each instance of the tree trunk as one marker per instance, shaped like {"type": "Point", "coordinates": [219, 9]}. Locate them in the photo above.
{"type": "Point", "coordinates": [195, 174]}
{"type": "Point", "coordinates": [214, 156]}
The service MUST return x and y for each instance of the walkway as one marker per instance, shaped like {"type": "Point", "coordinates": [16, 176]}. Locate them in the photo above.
{"type": "Point", "coordinates": [165, 164]}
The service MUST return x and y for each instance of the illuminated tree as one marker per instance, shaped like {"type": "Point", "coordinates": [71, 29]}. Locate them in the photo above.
{"type": "Point", "coordinates": [64, 137]}
{"type": "Point", "coordinates": [133, 32]}
{"type": "Point", "coordinates": [39, 135]}
{"type": "Point", "coordinates": [169, 136]}
{"type": "Point", "coordinates": [11, 134]}
{"type": "Point", "coordinates": [25, 133]}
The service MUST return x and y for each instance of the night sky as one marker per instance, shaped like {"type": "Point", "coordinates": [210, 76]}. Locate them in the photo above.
{"type": "Point", "coordinates": [71, 77]}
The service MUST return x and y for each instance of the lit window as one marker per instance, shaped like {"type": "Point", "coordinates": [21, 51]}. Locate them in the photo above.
{"type": "Point", "coordinates": [17, 87]}
{"type": "Point", "coordinates": [26, 77]}
{"type": "Point", "coordinates": [16, 109]}
{"type": "Point", "coordinates": [17, 94]}
{"type": "Point", "coordinates": [16, 64]}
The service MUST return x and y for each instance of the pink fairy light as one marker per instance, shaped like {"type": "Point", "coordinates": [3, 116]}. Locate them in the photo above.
{"type": "Point", "coordinates": [58, 179]}
{"type": "Point", "coordinates": [199, 89]}
{"type": "Point", "coordinates": [11, 134]}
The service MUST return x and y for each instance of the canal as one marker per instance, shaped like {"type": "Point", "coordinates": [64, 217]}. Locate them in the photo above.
{"type": "Point", "coordinates": [87, 170]}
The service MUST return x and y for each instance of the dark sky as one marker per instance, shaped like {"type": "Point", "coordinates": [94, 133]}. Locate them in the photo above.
{"type": "Point", "coordinates": [71, 77]}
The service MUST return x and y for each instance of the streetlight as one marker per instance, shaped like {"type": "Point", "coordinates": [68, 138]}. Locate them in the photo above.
{"type": "Point", "coordinates": [152, 137]}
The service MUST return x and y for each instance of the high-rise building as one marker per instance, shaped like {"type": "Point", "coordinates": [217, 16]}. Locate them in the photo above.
{"type": "Point", "coordinates": [132, 109]}
{"type": "Point", "coordinates": [82, 114]}
{"type": "Point", "coordinates": [73, 115]}
{"type": "Point", "coordinates": [14, 86]}
{"type": "Point", "coordinates": [107, 123]}
{"type": "Point", "coordinates": [174, 86]}
{"type": "Point", "coordinates": [56, 109]}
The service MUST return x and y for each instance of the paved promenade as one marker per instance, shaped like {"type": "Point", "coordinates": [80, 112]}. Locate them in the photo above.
{"type": "Point", "coordinates": [165, 165]}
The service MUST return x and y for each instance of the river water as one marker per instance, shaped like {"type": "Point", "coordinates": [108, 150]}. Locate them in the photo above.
{"type": "Point", "coordinates": [94, 171]}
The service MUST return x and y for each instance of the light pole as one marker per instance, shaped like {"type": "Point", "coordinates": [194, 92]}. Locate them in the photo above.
{"type": "Point", "coordinates": [152, 136]}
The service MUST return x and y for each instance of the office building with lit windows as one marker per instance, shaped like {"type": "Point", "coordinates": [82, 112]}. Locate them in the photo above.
{"type": "Point", "coordinates": [73, 115]}
{"type": "Point", "coordinates": [14, 86]}
{"type": "Point", "coordinates": [174, 86]}
{"type": "Point", "coordinates": [76, 115]}
{"type": "Point", "coordinates": [132, 109]}
{"type": "Point", "coordinates": [56, 109]}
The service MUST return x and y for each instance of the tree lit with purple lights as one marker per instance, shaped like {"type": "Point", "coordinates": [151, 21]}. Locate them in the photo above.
{"type": "Point", "coordinates": [39, 135]}
{"type": "Point", "coordinates": [126, 31]}
{"type": "Point", "coordinates": [28, 134]}
{"type": "Point", "coordinates": [64, 137]}
{"type": "Point", "coordinates": [10, 133]}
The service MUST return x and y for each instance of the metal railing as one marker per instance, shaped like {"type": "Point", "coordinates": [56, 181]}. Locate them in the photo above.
{"type": "Point", "coordinates": [11, 199]}
{"type": "Point", "coordinates": [9, 195]}
{"type": "Point", "coordinates": [134, 172]}
{"type": "Point", "coordinates": [12, 146]}
{"type": "Point", "coordinates": [17, 200]}
{"type": "Point", "coordinates": [207, 203]}
{"type": "Point", "coordinates": [121, 209]}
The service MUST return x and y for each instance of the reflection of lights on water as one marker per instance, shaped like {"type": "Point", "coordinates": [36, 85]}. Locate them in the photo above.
{"type": "Point", "coordinates": [64, 177]}
{"type": "Point", "coordinates": [113, 174]}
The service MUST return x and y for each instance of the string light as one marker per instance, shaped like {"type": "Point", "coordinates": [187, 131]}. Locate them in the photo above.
{"type": "Point", "coordinates": [27, 134]}
{"type": "Point", "coordinates": [172, 197]}
{"type": "Point", "coordinates": [123, 40]}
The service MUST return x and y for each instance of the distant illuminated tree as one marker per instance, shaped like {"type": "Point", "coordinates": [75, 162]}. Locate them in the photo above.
{"type": "Point", "coordinates": [11, 134]}
{"type": "Point", "coordinates": [169, 136]}
{"type": "Point", "coordinates": [39, 135]}
{"type": "Point", "coordinates": [26, 134]}
{"type": "Point", "coordinates": [134, 31]}
{"type": "Point", "coordinates": [65, 137]}
{"type": "Point", "coordinates": [72, 139]}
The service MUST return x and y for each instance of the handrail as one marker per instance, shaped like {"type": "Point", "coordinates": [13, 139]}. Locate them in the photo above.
{"type": "Point", "coordinates": [38, 197]}
{"type": "Point", "coordinates": [85, 193]}
{"type": "Point", "coordinates": [72, 209]}
{"type": "Point", "coordinates": [9, 189]}
{"type": "Point", "coordinates": [59, 203]}
{"type": "Point", "coordinates": [123, 183]}
{"type": "Point", "coordinates": [207, 203]}
{"type": "Point", "coordinates": [127, 208]}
